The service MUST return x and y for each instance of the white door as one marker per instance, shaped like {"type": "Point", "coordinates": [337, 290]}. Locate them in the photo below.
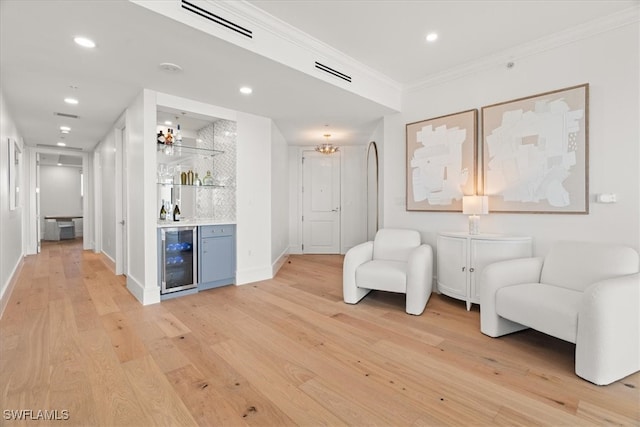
{"type": "Point", "coordinates": [320, 203]}
{"type": "Point", "coordinates": [121, 193]}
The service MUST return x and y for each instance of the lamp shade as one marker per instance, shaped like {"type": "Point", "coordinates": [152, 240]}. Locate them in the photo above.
{"type": "Point", "coordinates": [475, 205]}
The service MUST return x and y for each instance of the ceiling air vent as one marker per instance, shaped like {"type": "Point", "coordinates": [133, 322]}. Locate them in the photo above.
{"type": "Point", "coordinates": [333, 72]}
{"type": "Point", "coordinates": [216, 19]}
{"type": "Point", "coordinates": [58, 147]}
{"type": "Point", "coordinates": [69, 116]}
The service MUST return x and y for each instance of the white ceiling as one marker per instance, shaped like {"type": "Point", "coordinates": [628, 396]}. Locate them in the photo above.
{"type": "Point", "coordinates": [39, 63]}
{"type": "Point", "coordinates": [389, 35]}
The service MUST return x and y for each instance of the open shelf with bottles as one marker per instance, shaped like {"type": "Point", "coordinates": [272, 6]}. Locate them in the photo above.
{"type": "Point", "coordinates": [202, 148]}
{"type": "Point", "coordinates": [203, 186]}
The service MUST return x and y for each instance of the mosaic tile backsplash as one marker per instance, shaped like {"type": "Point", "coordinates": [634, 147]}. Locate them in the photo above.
{"type": "Point", "coordinates": [219, 202]}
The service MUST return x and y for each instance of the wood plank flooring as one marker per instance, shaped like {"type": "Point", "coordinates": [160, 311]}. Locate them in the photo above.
{"type": "Point", "coordinates": [285, 351]}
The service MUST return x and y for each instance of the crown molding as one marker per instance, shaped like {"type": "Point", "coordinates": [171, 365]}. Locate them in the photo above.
{"type": "Point", "coordinates": [587, 30]}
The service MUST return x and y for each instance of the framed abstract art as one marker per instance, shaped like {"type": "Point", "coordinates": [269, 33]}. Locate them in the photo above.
{"type": "Point", "coordinates": [441, 162]}
{"type": "Point", "coordinates": [536, 153]}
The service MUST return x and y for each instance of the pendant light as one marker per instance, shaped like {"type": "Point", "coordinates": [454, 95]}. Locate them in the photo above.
{"type": "Point", "coordinates": [327, 147]}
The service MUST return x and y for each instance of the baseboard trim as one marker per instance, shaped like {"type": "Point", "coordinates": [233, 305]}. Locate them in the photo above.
{"type": "Point", "coordinates": [295, 250]}
{"type": "Point", "coordinates": [277, 265]}
{"type": "Point", "coordinates": [253, 275]}
{"type": "Point", "coordinates": [145, 296]}
{"type": "Point", "coordinates": [8, 289]}
{"type": "Point", "coordinates": [108, 262]}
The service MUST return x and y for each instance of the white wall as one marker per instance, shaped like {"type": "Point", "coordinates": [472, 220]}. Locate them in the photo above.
{"type": "Point", "coordinates": [253, 198]}
{"type": "Point", "coordinates": [60, 190]}
{"type": "Point", "coordinates": [295, 213]}
{"type": "Point", "coordinates": [353, 169]}
{"type": "Point", "coordinates": [608, 61]}
{"type": "Point", "coordinates": [11, 222]}
{"type": "Point", "coordinates": [107, 172]}
{"type": "Point", "coordinates": [279, 196]}
{"type": "Point", "coordinates": [142, 275]}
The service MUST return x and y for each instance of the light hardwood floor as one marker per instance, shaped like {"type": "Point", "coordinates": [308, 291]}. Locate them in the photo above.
{"type": "Point", "coordinates": [285, 351]}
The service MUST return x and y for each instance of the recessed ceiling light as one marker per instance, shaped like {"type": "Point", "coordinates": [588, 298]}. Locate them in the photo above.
{"type": "Point", "coordinates": [59, 164]}
{"type": "Point", "coordinates": [431, 37]}
{"type": "Point", "coordinates": [246, 90]}
{"type": "Point", "coordinates": [65, 128]}
{"type": "Point", "coordinates": [61, 144]}
{"type": "Point", "coordinates": [71, 101]}
{"type": "Point", "coordinates": [168, 122]}
{"type": "Point", "coordinates": [84, 42]}
{"type": "Point", "coordinates": [170, 68]}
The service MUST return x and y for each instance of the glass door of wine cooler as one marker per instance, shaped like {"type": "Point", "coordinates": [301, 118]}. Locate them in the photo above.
{"type": "Point", "coordinates": [179, 259]}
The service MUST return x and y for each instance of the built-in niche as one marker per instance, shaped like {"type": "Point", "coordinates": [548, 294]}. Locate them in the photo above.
{"type": "Point", "coordinates": [208, 147]}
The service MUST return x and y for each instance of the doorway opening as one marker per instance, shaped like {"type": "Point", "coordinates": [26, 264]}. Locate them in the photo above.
{"type": "Point", "coordinates": [60, 204]}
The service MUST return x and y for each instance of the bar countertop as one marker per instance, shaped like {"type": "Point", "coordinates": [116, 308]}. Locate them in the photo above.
{"type": "Point", "coordinates": [190, 222]}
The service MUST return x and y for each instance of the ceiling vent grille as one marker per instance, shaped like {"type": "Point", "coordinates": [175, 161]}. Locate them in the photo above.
{"type": "Point", "coordinates": [58, 147]}
{"type": "Point", "coordinates": [69, 116]}
{"type": "Point", "coordinates": [333, 72]}
{"type": "Point", "coordinates": [216, 19]}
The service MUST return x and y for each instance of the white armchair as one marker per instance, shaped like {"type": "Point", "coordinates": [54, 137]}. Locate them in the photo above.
{"type": "Point", "coordinates": [581, 292]}
{"type": "Point", "coordinates": [395, 262]}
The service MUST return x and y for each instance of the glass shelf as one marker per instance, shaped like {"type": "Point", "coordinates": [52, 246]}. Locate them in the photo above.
{"type": "Point", "coordinates": [169, 184]}
{"type": "Point", "coordinates": [185, 150]}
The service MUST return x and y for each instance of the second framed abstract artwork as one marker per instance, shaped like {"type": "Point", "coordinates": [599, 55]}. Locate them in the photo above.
{"type": "Point", "coordinates": [441, 162]}
{"type": "Point", "coordinates": [535, 153]}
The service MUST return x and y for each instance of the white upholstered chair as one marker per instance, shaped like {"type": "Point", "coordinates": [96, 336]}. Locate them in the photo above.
{"type": "Point", "coordinates": [581, 292]}
{"type": "Point", "coordinates": [395, 261]}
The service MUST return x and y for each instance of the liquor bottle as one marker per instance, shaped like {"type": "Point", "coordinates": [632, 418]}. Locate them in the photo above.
{"type": "Point", "coordinates": [176, 213]}
{"type": "Point", "coordinates": [163, 212]}
{"type": "Point", "coordinates": [169, 138]}
{"type": "Point", "coordinates": [177, 138]}
{"type": "Point", "coordinates": [196, 180]}
{"type": "Point", "coordinates": [161, 138]}
{"type": "Point", "coordinates": [208, 179]}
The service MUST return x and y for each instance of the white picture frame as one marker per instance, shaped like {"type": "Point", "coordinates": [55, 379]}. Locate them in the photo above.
{"type": "Point", "coordinates": [536, 153]}
{"type": "Point", "coordinates": [15, 165]}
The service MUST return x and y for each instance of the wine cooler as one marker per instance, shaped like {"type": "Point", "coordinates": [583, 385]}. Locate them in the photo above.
{"type": "Point", "coordinates": [178, 248]}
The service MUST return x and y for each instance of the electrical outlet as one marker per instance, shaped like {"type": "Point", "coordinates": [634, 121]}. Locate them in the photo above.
{"type": "Point", "coordinates": [606, 198]}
